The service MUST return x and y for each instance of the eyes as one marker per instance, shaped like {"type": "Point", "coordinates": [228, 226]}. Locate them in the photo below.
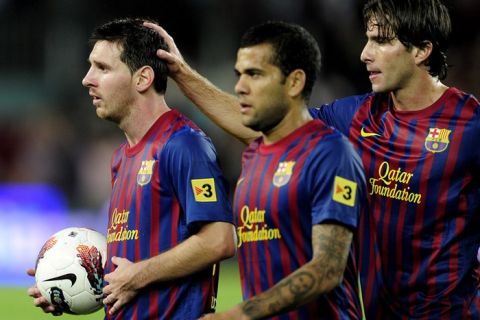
{"type": "Point", "coordinates": [102, 67]}
{"type": "Point", "coordinates": [251, 73]}
{"type": "Point", "coordinates": [99, 66]}
{"type": "Point", "coordinates": [380, 40]}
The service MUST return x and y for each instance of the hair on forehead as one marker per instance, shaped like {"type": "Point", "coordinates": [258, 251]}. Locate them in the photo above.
{"type": "Point", "coordinates": [138, 45]}
{"type": "Point", "coordinates": [293, 47]}
{"type": "Point", "coordinates": [414, 23]}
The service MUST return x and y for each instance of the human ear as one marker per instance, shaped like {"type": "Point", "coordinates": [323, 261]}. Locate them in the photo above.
{"type": "Point", "coordinates": [144, 78]}
{"type": "Point", "coordinates": [423, 52]}
{"type": "Point", "coordinates": [296, 82]}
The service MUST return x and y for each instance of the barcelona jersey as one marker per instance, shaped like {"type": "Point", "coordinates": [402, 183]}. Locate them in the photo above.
{"type": "Point", "coordinates": [419, 243]}
{"type": "Point", "coordinates": [163, 189]}
{"type": "Point", "coordinates": [310, 177]}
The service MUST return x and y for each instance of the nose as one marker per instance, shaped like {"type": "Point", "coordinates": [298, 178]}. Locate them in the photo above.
{"type": "Point", "coordinates": [87, 80]}
{"type": "Point", "coordinates": [366, 55]}
{"type": "Point", "coordinates": [240, 86]}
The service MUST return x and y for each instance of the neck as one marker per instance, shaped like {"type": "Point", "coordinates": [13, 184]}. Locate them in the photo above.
{"type": "Point", "coordinates": [295, 118]}
{"type": "Point", "coordinates": [143, 115]}
{"type": "Point", "coordinates": [419, 94]}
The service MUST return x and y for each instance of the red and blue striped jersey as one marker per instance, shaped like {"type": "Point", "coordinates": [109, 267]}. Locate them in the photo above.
{"type": "Point", "coordinates": [419, 243]}
{"type": "Point", "coordinates": [310, 177]}
{"type": "Point", "coordinates": [163, 189]}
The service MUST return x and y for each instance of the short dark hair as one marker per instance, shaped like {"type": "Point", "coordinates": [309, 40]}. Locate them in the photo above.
{"type": "Point", "coordinates": [139, 45]}
{"type": "Point", "coordinates": [293, 48]}
{"type": "Point", "coordinates": [413, 22]}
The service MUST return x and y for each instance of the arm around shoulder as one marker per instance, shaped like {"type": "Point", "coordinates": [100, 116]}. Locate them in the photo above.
{"type": "Point", "coordinates": [221, 107]}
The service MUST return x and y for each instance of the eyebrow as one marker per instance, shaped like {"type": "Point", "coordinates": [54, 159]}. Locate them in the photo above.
{"type": "Point", "coordinates": [249, 71]}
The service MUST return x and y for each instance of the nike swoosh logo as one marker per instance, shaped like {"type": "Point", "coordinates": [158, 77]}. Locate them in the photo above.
{"type": "Point", "coordinates": [69, 276]}
{"type": "Point", "coordinates": [365, 134]}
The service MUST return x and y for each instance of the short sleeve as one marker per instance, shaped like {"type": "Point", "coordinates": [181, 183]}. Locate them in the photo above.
{"type": "Point", "coordinates": [340, 113]}
{"type": "Point", "coordinates": [196, 177]}
{"type": "Point", "coordinates": [337, 182]}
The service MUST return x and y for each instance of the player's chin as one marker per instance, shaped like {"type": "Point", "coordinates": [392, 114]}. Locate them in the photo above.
{"type": "Point", "coordinates": [247, 121]}
{"type": "Point", "coordinates": [378, 87]}
{"type": "Point", "coordinates": [105, 115]}
{"type": "Point", "coordinates": [101, 112]}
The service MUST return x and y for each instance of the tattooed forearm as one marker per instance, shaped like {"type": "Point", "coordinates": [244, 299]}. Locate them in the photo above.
{"type": "Point", "coordinates": [289, 292]}
{"type": "Point", "coordinates": [331, 244]}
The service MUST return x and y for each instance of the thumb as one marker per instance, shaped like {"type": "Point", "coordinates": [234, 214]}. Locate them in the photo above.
{"type": "Point", "coordinates": [31, 272]}
{"type": "Point", "coordinates": [119, 260]}
{"type": "Point", "coordinates": [116, 260]}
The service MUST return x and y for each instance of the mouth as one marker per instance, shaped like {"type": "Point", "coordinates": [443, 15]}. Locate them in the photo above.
{"type": "Point", "coordinates": [244, 108]}
{"type": "Point", "coordinates": [95, 99]}
{"type": "Point", "coordinates": [373, 75]}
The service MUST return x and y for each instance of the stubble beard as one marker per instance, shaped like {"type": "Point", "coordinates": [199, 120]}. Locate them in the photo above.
{"type": "Point", "coordinates": [268, 120]}
{"type": "Point", "coordinates": [116, 112]}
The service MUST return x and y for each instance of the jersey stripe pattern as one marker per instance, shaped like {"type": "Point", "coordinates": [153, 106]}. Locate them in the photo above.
{"type": "Point", "coordinates": [420, 241]}
{"type": "Point", "coordinates": [154, 206]}
{"type": "Point", "coordinates": [284, 190]}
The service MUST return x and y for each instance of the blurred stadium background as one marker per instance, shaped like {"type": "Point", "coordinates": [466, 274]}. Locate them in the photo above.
{"type": "Point", "coordinates": [55, 153]}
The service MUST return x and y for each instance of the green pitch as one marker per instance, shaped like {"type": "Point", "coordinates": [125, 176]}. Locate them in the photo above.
{"type": "Point", "coordinates": [16, 304]}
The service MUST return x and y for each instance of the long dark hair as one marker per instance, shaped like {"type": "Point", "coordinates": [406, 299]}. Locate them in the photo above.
{"type": "Point", "coordinates": [414, 22]}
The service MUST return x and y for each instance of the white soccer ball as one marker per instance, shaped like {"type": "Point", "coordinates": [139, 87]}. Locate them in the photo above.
{"type": "Point", "coordinates": [69, 270]}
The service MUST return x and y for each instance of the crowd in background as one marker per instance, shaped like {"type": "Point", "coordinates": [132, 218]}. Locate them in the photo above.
{"type": "Point", "coordinates": [49, 132]}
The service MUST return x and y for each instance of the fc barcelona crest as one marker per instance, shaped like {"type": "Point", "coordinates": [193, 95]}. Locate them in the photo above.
{"type": "Point", "coordinates": [144, 175]}
{"type": "Point", "coordinates": [437, 140]}
{"type": "Point", "coordinates": [283, 173]}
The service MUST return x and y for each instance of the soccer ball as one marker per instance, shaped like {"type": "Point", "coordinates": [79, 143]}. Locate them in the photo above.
{"type": "Point", "coordinates": [69, 270]}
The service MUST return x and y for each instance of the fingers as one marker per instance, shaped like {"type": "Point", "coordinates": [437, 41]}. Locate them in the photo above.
{"type": "Point", "coordinates": [167, 56]}
{"type": "Point", "coordinates": [113, 303]}
{"type": "Point", "coordinates": [34, 292]}
{"type": "Point", "coordinates": [116, 300]}
{"type": "Point", "coordinates": [119, 261]}
{"type": "Point", "coordinates": [46, 306]}
{"type": "Point", "coordinates": [109, 299]}
{"type": "Point", "coordinates": [157, 28]}
{"type": "Point", "coordinates": [107, 290]}
{"type": "Point", "coordinates": [168, 39]}
{"type": "Point", "coordinates": [162, 32]}
{"type": "Point", "coordinates": [116, 306]}
{"type": "Point", "coordinates": [39, 300]}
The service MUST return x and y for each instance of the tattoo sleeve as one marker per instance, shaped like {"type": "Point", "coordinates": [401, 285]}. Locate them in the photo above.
{"type": "Point", "coordinates": [331, 244]}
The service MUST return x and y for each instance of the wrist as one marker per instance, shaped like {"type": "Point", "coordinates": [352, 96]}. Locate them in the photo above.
{"type": "Point", "coordinates": [139, 271]}
{"type": "Point", "coordinates": [183, 74]}
{"type": "Point", "coordinates": [239, 310]}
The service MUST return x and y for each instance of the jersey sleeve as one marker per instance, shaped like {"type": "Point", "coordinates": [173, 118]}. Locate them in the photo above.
{"type": "Point", "coordinates": [477, 153]}
{"type": "Point", "coordinates": [197, 179]}
{"type": "Point", "coordinates": [339, 114]}
{"type": "Point", "coordinates": [337, 183]}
